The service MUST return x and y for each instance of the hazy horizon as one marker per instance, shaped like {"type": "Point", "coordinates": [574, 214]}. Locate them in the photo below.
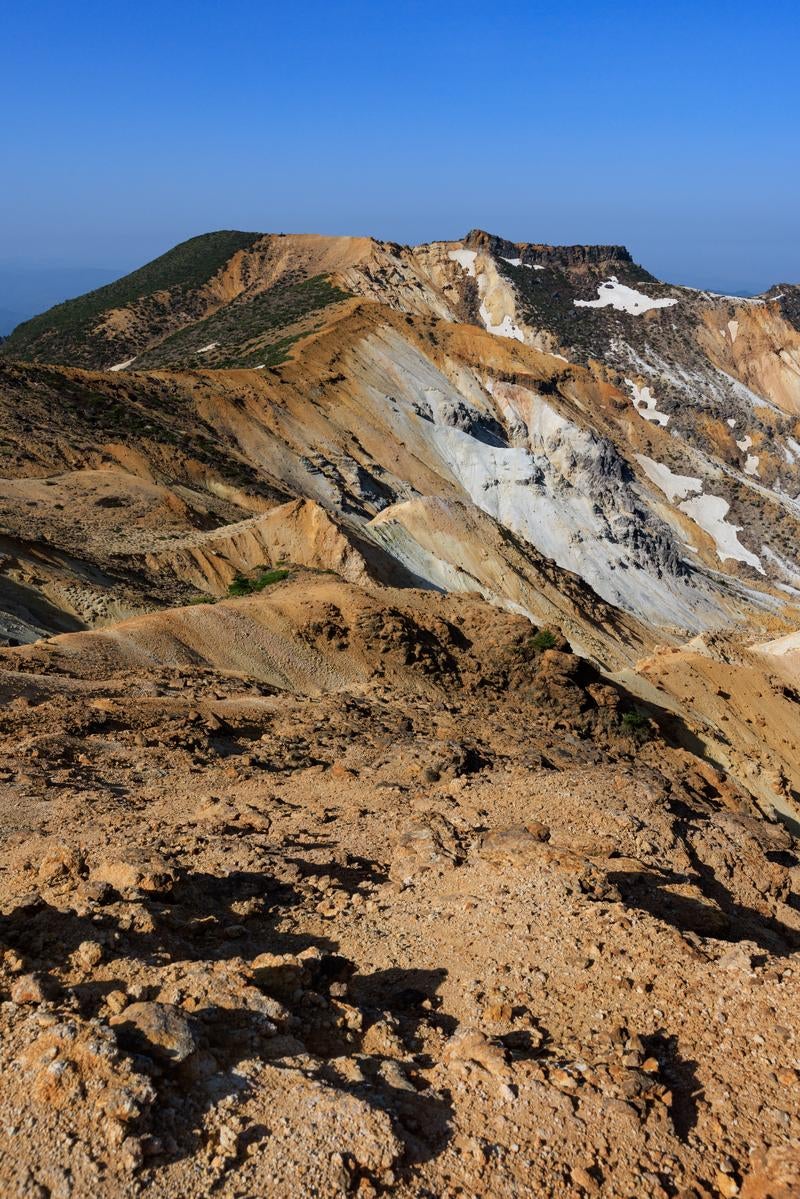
{"type": "Point", "coordinates": [26, 289]}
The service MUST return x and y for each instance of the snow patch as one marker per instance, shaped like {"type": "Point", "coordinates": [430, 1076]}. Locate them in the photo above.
{"type": "Point", "coordinates": [675, 487]}
{"type": "Point", "coordinates": [120, 366]}
{"type": "Point", "coordinates": [506, 328]}
{"type": "Point", "coordinates": [731, 421]}
{"type": "Point", "coordinates": [733, 329]}
{"type": "Point", "coordinates": [613, 294]}
{"type": "Point", "coordinates": [709, 512]}
{"type": "Point", "coordinates": [465, 259]}
{"type": "Point", "coordinates": [751, 462]}
{"type": "Point", "coordinates": [645, 404]}
{"type": "Point", "coordinates": [212, 345]}
{"type": "Point", "coordinates": [531, 266]}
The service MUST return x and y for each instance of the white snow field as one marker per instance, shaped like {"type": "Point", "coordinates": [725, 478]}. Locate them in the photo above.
{"type": "Point", "coordinates": [645, 404]}
{"type": "Point", "coordinates": [709, 512]}
{"type": "Point", "coordinates": [120, 366]}
{"type": "Point", "coordinates": [465, 259]}
{"type": "Point", "coordinates": [506, 328]}
{"type": "Point", "coordinates": [613, 294]}
{"type": "Point", "coordinates": [675, 487]}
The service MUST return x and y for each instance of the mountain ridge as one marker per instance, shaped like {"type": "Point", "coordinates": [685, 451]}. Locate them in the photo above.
{"type": "Point", "coordinates": [198, 277]}
{"type": "Point", "coordinates": [547, 427]}
{"type": "Point", "coordinates": [400, 669]}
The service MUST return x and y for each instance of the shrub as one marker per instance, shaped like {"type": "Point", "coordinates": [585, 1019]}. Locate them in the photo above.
{"type": "Point", "coordinates": [269, 577]}
{"type": "Point", "coordinates": [542, 640]}
{"type": "Point", "coordinates": [201, 599]}
{"type": "Point", "coordinates": [637, 724]}
{"type": "Point", "coordinates": [245, 585]}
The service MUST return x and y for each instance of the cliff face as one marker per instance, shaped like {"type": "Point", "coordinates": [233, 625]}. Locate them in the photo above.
{"type": "Point", "coordinates": [572, 258]}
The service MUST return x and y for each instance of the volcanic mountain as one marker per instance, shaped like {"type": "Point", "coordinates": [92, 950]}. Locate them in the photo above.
{"type": "Point", "coordinates": [460, 580]}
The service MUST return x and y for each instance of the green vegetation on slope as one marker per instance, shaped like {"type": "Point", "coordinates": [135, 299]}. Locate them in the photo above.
{"type": "Point", "coordinates": [57, 334]}
{"type": "Point", "coordinates": [547, 297]}
{"type": "Point", "coordinates": [242, 329]}
{"type": "Point", "coordinates": [246, 585]}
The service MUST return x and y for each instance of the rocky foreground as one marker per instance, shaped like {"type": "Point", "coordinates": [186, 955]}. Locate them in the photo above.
{"type": "Point", "coordinates": [444, 913]}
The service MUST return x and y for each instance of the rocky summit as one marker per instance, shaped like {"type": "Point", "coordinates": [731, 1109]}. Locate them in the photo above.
{"type": "Point", "coordinates": [400, 681]}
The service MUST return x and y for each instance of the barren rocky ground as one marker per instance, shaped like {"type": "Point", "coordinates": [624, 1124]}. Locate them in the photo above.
{"type": "Point", "coordinates": [456, 928]}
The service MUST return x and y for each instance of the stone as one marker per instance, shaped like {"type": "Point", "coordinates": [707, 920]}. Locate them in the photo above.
{"type": "Point", "coordinates": [471, 1045]}
{"type": "Point", "coordinates": [116, 1001]}
{"type": "Point", "coordinates": [61, 866]}
{"type": "Point", "coordinates": [136, 870]}
{"type": "Point", "coordinates": [429, 845]}
{"type": "Point", "coordinates": [88, 954]}
{"type": "Point", "coordinates": [159, 1030]}
{"type": "Point", "coordinates": [583, 1179]}
{"type": "Point", "coordinates": [726, 1185]}
{"type": "Point", "coordinates": [515, 844]}
{"type": "Point", "coordinates": [29, 988]}
{"type": "Point", "coordinates": [131, 1153]}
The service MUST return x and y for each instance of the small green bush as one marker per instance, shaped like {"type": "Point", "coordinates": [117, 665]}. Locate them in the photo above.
{"type": "Point", "coordinates": [269, 577]}
{"type": "Point", "coordinates": [636, 723]}
{"type": "Point", "coordinates": [201, 599]}
{"type": "Point", "coordinates": [542, 640]}
{"type": "Point", "coordinates": [244, 585]}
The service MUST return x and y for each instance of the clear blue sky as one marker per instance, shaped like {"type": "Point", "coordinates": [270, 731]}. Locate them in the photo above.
{"type": "Point", "coordinates": [673, 127]}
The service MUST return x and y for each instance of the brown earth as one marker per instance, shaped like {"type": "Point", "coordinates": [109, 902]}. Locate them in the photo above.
{"type": "Point", "coordinates": [328, 924]}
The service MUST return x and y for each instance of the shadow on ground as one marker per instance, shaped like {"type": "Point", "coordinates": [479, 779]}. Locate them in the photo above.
{"type": "Point", "coordinates": [331, 1011]}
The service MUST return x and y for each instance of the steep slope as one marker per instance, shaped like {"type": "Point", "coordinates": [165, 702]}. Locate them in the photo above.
{"type": "Point", "coordinates": [379, 408]}
{"type": "Point", "coordinates": [709, 424]}
{"type": "Point", "coordinates": [474, 416]}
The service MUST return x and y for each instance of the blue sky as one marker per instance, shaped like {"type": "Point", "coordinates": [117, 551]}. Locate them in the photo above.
{"type": "Point", "coordinates": [671, 127]}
